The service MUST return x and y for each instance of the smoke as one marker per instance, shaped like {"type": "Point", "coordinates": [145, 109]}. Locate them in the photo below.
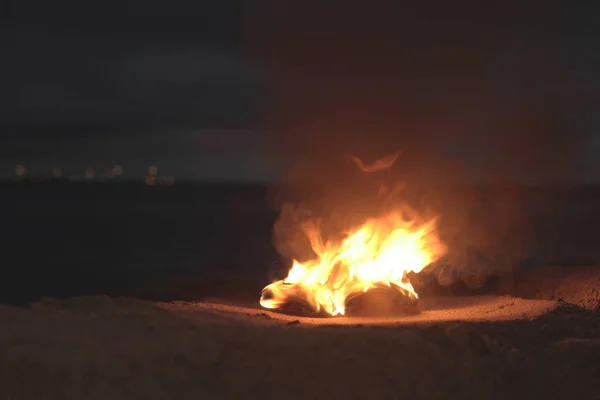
{"type": "Point", "coordinates": [485, 195]}
{"type": "Point", "coordinates": [477, 130]}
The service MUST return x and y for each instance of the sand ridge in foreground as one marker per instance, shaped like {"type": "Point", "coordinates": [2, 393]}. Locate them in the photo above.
{"type": "Point", "coordinates": [97, 348]}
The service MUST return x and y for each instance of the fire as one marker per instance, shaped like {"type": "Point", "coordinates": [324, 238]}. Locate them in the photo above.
{"type": "Point", "coordinates": [380, 252]}
{"type": "Point", "coordinates": [379, 165]}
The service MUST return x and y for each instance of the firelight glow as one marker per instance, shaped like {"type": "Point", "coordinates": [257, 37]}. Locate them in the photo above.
{"type": "Point", "coordinates": [381, 252]}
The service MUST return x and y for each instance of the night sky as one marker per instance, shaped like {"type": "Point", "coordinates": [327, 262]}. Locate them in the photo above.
{"type": "Point", "coordinates": [233, 90]}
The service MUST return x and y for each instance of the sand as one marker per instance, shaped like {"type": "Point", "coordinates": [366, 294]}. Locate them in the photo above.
{"type": "Point", "coordinates": [465, 348]}
{"type": "Point", "coordinates": [576, 285]}
{"type": "Point", "coordinates": [430, 310]}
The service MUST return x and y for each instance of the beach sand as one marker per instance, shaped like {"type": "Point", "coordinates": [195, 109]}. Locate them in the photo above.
{"type": "Point", "coordinates": [475, 347]}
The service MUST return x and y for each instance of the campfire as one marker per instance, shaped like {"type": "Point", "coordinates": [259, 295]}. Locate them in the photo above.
{"type": "Point", "coordinates": [380, 253]}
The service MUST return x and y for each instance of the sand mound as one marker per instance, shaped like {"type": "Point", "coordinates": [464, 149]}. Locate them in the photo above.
{"type": "Point", "coordinates": [576, 285]}
{"type": "Point", "coordinates": [102, 348]}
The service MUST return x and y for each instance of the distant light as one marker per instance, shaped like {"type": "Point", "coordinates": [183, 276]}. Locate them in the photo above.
{"type": "Point", "coordinates": [117, 170]}
{"type": "Point", "coordinates": [152, 170]}
{"type": "Point", "coordinates": [150, 180]}
{"type": "Point", "coordinates": [89, 173]}
{"type": "Point", "coordinates": [170, 181]}
{"type": "Point", "coordinates": [20, 171]}
{"type": "Point", "coordinates": [167, 181]}
{"type": "Point", "coordinates": [56, 173]}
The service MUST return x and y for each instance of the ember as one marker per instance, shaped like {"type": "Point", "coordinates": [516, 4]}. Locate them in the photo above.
{"type": "Point", "coordinates": [379, 253]}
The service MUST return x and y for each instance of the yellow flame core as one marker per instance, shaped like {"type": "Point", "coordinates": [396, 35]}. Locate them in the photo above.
{"type": "Point", "coordinates": [380, 252]}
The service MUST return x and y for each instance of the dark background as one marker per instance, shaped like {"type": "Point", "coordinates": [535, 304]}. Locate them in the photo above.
{"type": "Point", "coordinates": [494, 108]}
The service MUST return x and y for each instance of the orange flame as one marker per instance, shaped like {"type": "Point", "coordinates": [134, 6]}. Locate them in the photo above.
{"type": "Point", "coordinates": [383, 251]}
{"type": "Point", "coordinates": [379, 165]}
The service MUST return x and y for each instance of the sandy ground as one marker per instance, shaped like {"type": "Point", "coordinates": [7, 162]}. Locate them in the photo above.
{"type": "Point", "coordinates": [577, 285]}
{"type": "Point", "coordinates": [481, 347]}
{"type": "Point", "coordinates": [430, 310]}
